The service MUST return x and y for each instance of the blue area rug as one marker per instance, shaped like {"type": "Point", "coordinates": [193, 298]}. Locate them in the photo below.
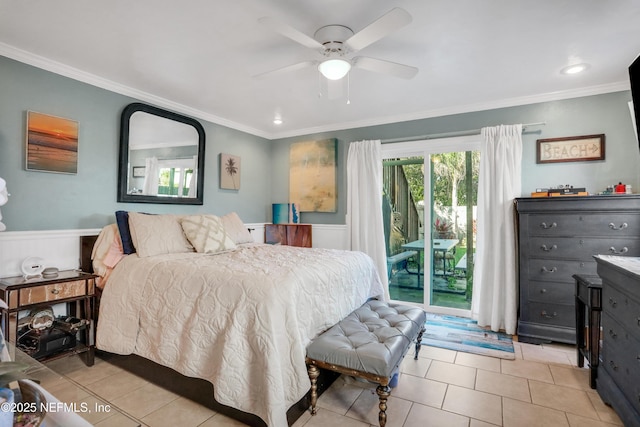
{"type": "Point", "coordinates": [460, 334]}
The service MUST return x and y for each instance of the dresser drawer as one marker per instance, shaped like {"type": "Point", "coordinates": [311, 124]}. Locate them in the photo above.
{"type": "Point", "coordinates": [580, 247]}
{"type": "Point", "coordinates": [556, 270]}
{"type": "Point", "coordinates": [583, 224]}
{"type": "Point", "coordinates": [551, 292]}
{"type": "Point", "coordinates": [621, 358]}
{"type": "Point", "coordinates": [622, 308]}
{"type": "Point", "coordinates": [52, 292]}
{"type": "Point", "coordinates": [549, 314]}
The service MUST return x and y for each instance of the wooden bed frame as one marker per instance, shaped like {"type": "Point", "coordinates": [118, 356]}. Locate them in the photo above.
{"type": "Point", "coordinates": [196, 389]}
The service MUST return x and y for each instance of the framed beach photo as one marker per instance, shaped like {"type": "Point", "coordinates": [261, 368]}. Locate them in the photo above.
{"type": "Point", "coordinates": [51, 144]}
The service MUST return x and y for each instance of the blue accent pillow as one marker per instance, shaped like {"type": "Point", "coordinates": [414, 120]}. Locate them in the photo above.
{"type": "Point", "coordinates": [122, 219]}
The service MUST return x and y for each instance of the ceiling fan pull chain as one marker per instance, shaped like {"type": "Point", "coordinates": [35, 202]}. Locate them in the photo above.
{"type": "Point", "coordinates": [349, 88]}
{"type": "Point", "coordinates": [319, 84]}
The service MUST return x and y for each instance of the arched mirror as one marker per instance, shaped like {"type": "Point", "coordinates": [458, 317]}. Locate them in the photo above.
{"type": "Point", "coordinates": [161, 157]}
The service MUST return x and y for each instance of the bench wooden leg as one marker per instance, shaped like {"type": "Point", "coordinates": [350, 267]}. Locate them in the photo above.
{"type": "Point", "coordinates": [419, 342]}
{"type": "Point", "coordinates": [384, 391]}
{"type": "Point", "coordinates": [314, 372]}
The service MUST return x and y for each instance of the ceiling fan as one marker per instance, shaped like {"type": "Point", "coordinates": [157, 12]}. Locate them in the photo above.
{"type": "Point", "coordinates": [337, 42]}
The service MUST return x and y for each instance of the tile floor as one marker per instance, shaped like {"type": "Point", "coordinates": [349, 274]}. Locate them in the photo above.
{"type": "Point", "coordinates": [542, 387]}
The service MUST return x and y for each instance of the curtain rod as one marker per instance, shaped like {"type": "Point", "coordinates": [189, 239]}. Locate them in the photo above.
{"type": "Point", "coordinates": [450, 134]}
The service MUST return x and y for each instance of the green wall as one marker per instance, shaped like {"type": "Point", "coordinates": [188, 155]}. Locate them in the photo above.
{"type": "Point", "coordinates": [48, 201]}
{"type": "Point", "coordinates": [608, 114]}
{"type": "Point", "coordinates": [43, 201]}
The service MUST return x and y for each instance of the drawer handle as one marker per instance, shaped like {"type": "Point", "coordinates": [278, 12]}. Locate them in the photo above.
{"type": "Point", "coordinates": [543, 291]}
{"type": "Point", "coordinates": [622, 226]}
{"type": "Point", "coordinates": [613, 366]}
{"type": "Point", "coordinates": [612, 334]}
{"type": "Point", "coordinates": [544, 314]}
{"type": "Point", "coordinates": [546, 270]}
{"type": "Point", "coordinates": [547, 249]}
{"type": "Point", "coordinates": [613, 302]}
{"type": "Point", "coordinates": [545, 226]}
{"type": "Point", "coordinates": [55, 291]}
{"type": "Point", "coordinates": [621, 251]}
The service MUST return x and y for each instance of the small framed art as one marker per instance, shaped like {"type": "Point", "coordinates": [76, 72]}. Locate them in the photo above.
{"type": "Point", "coordinates": [229, 172]}
{"type": "Point", "coordinates": [138, 171]}
{"type": "Point", "coordinates": [570, 149]}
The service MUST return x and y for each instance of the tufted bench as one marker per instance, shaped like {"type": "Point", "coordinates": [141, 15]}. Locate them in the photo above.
{"type": "Point", "coordinates": [369, 343]}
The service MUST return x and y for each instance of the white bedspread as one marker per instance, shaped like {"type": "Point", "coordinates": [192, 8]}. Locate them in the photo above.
{"type": "Point", "coordinates": [240, 319]}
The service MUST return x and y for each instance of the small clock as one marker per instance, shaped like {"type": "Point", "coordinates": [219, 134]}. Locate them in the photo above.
{"type": "Point", "coordinates": [32, 266]}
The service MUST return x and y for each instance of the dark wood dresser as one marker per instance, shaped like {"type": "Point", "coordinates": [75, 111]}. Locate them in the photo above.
{"type": "Point", "coordinates": [557, 238]}
{"type": "Point", "coordinates": [618, 381]}
{"type": "Point", "coordinates": [288, 234]}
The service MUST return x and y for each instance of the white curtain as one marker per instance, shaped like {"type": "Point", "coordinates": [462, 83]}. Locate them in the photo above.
{"type": "Point", "coordinates": [364, 204]}
{"type": "Point", "coordinates": [192, 182]}
{"type": "Point", "coordinates": [495, 289]}
{"type": "Point", "coordinates": [151, 176]}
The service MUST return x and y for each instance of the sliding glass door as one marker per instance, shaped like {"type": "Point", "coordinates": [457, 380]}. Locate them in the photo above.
{"type": "Point", "coordinates": [430, 192]}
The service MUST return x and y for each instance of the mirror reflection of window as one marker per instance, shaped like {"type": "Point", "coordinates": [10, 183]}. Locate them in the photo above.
{"type": "Point", "coordinates": [168, 151]}
{"type": "Point", "coordinates": [175, 182]}
{"type": "Point", "coordinates": [170, 177]}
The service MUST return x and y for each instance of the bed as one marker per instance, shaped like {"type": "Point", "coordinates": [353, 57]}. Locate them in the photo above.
{"type": "Point", "coordinates": [239, 318]}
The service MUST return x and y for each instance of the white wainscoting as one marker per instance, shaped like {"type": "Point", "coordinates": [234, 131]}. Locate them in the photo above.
{"type": "Point", "coordinates": [61, 248]}
{"type": "Point", "coordinates": [330, 236]}
{"type": "Point", "coordinates": [58, 248]}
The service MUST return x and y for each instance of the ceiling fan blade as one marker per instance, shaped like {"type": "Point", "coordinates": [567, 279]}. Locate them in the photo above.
{"type": "Point", "coordinates": [384, 67]}
{"type": "Point", "coordinates": [290, 32]}
{"type": "Point", "coordinates": [393, 20]}
{"type": "Point", "coordinates": [287, 69]}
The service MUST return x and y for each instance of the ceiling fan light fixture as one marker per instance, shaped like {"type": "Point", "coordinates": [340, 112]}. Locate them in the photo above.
{"type": "Point", "coordinates": [335, 68]}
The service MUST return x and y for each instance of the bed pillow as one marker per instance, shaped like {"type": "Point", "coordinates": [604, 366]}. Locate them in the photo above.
{"type": "Point", "coordinates": [157, 234]}
{"type": "Point", "coordinates": [236, 229]}
{"type": "Point", "coordinates": [122, 219]}
{"type": "Point", "coordinates": [107, 250]}
{"type": "Point", "coordinates": [206, 233]}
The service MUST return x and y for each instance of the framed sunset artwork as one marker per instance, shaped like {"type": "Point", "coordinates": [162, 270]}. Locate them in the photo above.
{"type": "Point", "coordinates": [52, 144]}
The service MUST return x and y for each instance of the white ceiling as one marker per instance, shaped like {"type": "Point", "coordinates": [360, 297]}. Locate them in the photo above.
{"type": "Point", "coordinates": [199, 57]}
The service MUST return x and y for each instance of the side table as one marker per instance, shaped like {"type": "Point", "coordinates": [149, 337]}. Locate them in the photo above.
{"type": "Point", "coordinates": [73, 288]}
{"type": "Point", "coordinates": [588, 311]}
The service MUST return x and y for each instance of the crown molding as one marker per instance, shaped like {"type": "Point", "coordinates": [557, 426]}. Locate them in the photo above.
{"type": "Point", "coordinates": [94, 80]}
{"type": "Point", "coordinates": [460, 109]}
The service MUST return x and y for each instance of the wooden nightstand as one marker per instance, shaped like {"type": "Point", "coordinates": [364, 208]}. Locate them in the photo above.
{"type": "Point", "coordinates": [23, 296]}
{"type": "Point", "coordinates": [288, 234]}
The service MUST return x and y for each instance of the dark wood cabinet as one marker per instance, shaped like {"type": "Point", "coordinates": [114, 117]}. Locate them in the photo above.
{"type": "Point", "coordinates": [288, 234]}
{"type": "Point", "coordinates": [618, 381]}
{"type": "Point", "coordinates": [558, 237]}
